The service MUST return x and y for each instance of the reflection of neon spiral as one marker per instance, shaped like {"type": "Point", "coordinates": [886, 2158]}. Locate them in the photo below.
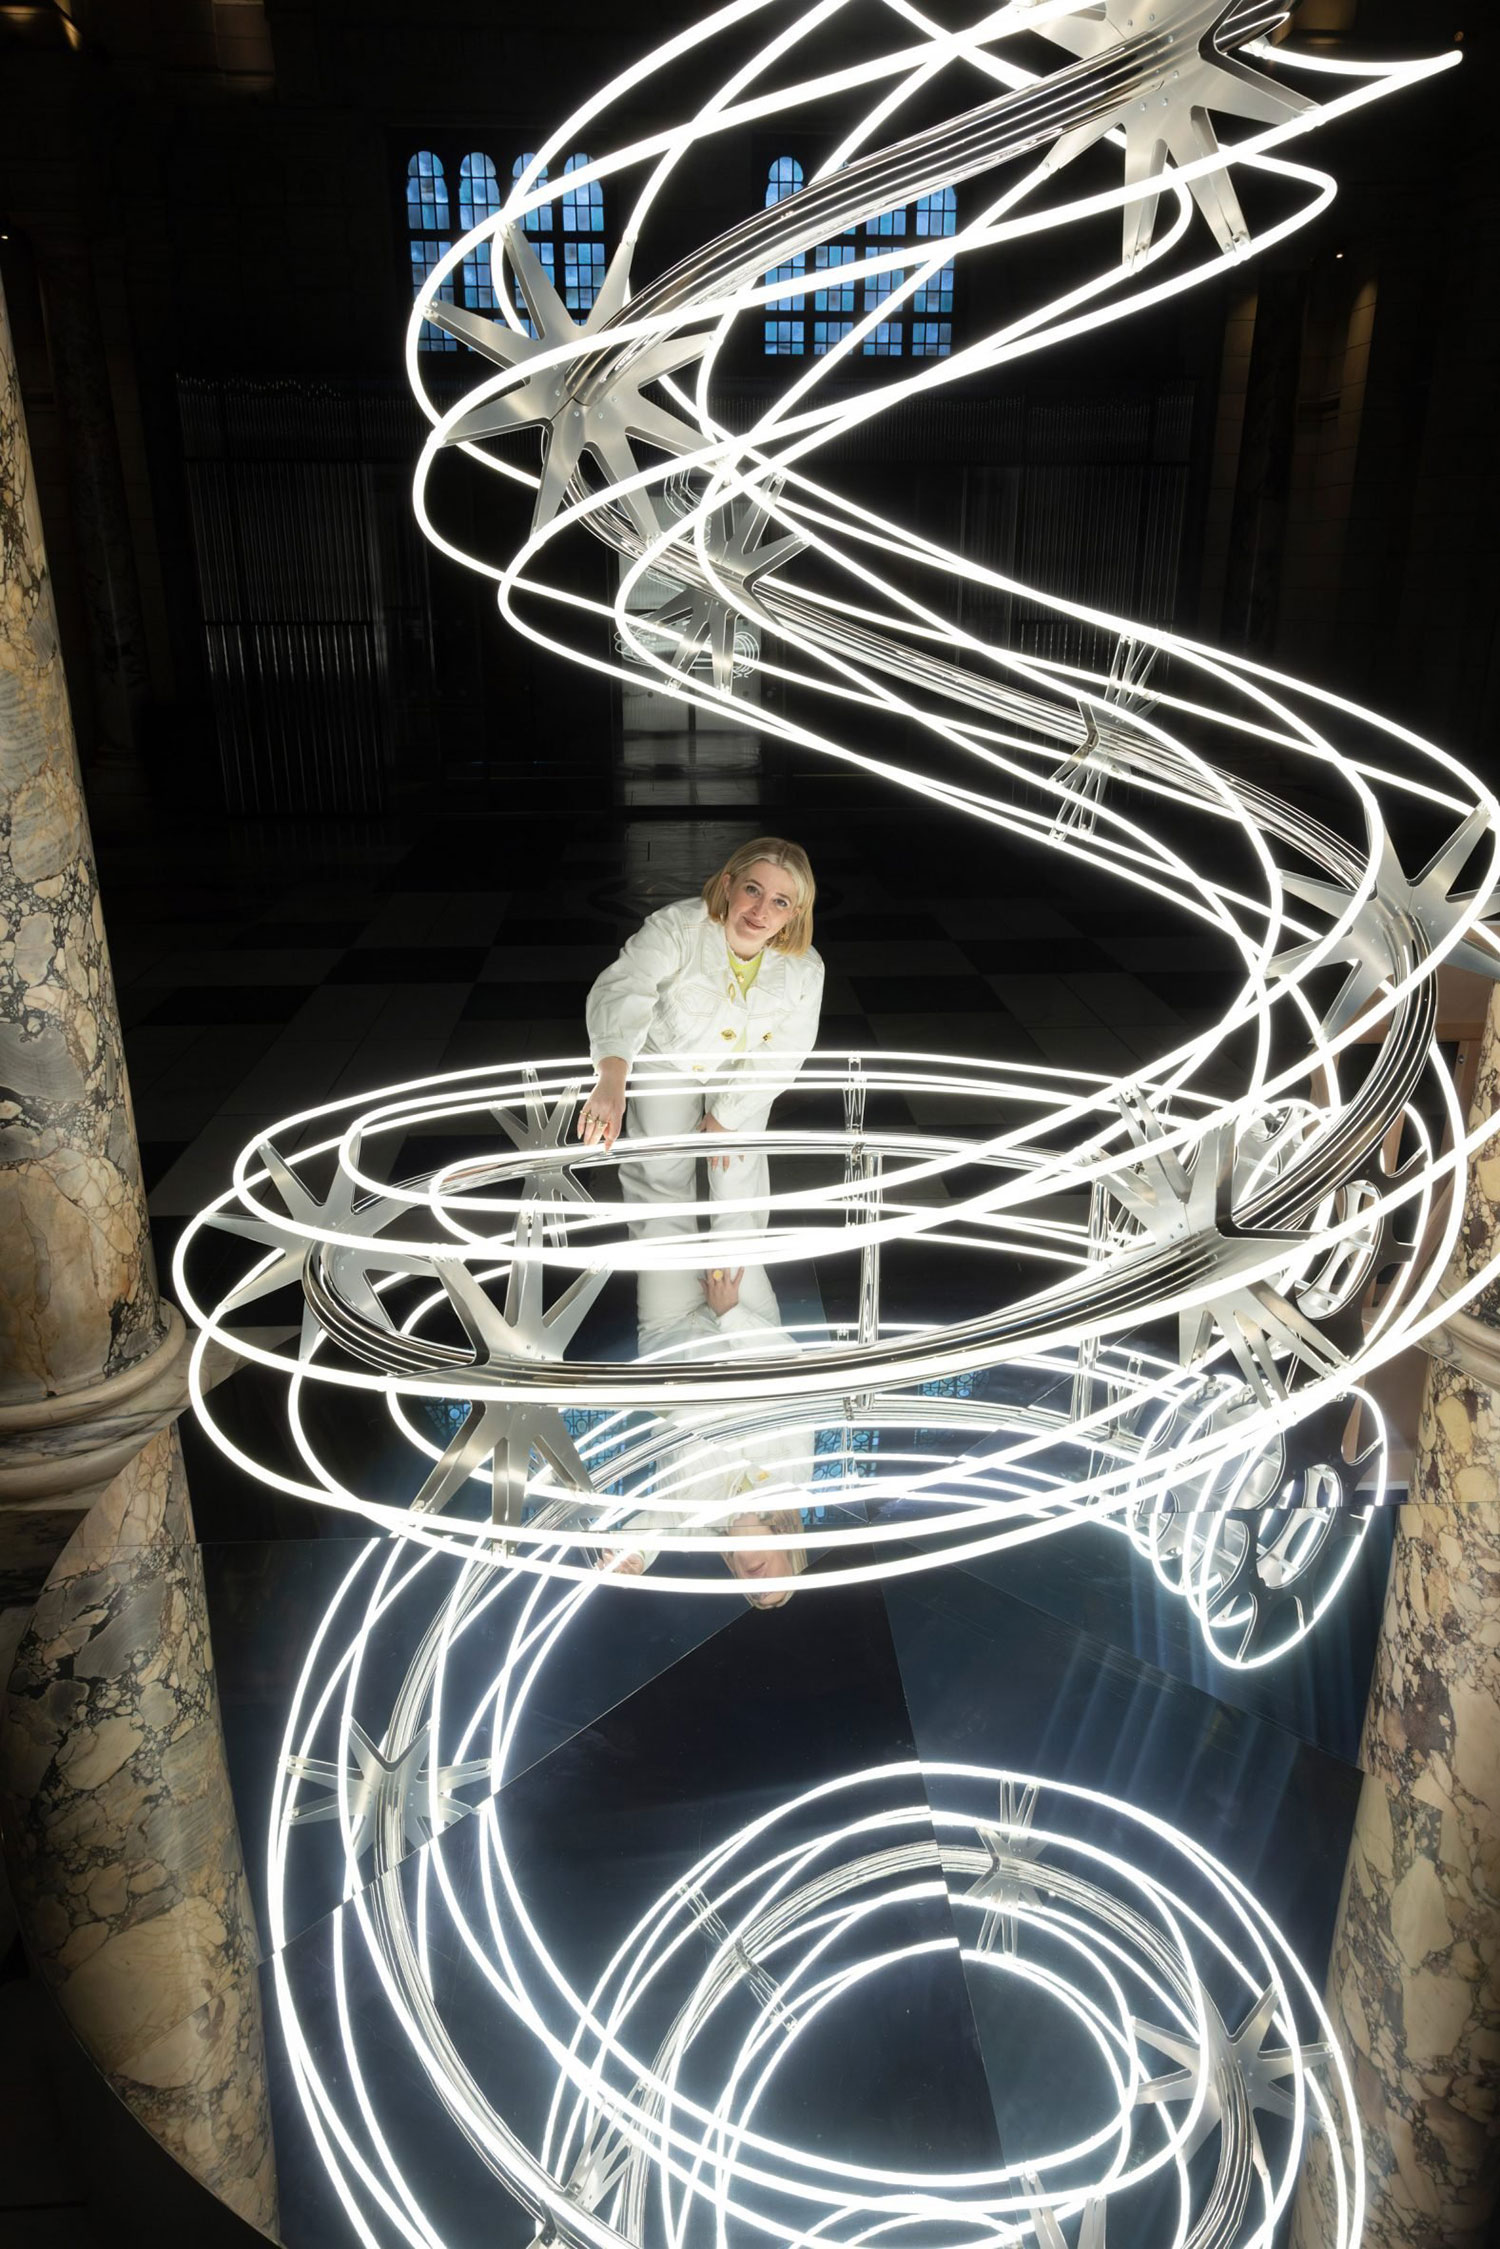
{"type": "Point", "coordinates": [1213, 2056]}
{"type": "Point", "coordinates": [1267, 1227]}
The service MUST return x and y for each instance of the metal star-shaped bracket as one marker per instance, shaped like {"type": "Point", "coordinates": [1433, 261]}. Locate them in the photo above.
{"type": "Point", "coordinates": [1178, 1204]}
{"type": "Point", "coordinates": [535, 1126]}
{"type": "Point", "coordinates": [1085, 771]}
{"type": "Point", "coordinates": [1372, 941]}
{"type": "Point", "coordinates": [1001, 1888]}
{"type": "Point", "coordinates": [375, 1779]}
{"type": "Point", "coordinates": [1260, 2069]}
{"type": "Point", "coordinates": [579, 414]}
{"type": "Point", "coordinates": [700, 616]}
{"type": "Point", "coordinates": [1169, 117]}
{"type": "Point", "coordinates": [336, 1213]}
{"type": "Point", "coordinates": [505, 1433]}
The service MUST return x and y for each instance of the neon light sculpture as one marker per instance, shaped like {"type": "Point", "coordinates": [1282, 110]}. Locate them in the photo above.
{"type": "Point", "coordinates": [1217, 1277]}
{"type": "Point", "coordinates": [1207, 2049]}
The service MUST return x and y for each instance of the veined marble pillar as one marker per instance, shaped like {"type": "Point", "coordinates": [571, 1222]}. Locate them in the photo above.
{"type": "Point", "coordinates": [80, 1304]}
{"type": "Point", "coordinates": [118, 1821]}
{"type": "Point", "coordinates": [1414, 1980]}
{"type": "Point", "coordinates": [123, 1850]}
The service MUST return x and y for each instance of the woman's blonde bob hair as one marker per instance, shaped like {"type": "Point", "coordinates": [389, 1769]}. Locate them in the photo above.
{"type": "Point", "coordinates": [796, 936]}
{"type": "Point", "coordinates": [791, 1561]}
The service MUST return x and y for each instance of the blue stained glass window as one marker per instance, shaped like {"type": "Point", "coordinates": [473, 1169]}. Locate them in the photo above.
{"type": "Point", "coordinates": [785, 337]}
{"type": "Point", "coordinates": [445, 191]}
{"type": "Point", "coordinates": [583, 206]}
{"type": "Point", "coordinates": [832, 1446]}
{"type": "Point", "coordinates": [937, 215]}
{"type": "Point", "coordinates": [583, 271]}
{"type": "Point", "coordinates": [425, 253]}
{"type": "Point", "coordinates": [839, 295]}
{"type": "Point", "coordinates": [949, 1386]}
{"type": "Point", "coordinates": [538, 221]}
{"type": "Point", "coordinates": [925, 337]}
{"type": "Point", "coordinates": [427, 221]}
{"type": "Point", "coordinates": [478, 198]}
{"type": "Point", "coordinates": [538, 224]}
{"type": "Point", "coordinates": [426, 194]}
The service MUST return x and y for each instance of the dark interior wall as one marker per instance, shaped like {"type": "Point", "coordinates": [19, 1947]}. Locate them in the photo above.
{"type": "Point", "coordinates": [211, 189]}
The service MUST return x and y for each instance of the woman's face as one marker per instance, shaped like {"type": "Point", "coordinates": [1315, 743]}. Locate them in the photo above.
{"type": "Point", "coordinates": [752, 1562]}
{"type": "Point", "coordinates": [760, 905]}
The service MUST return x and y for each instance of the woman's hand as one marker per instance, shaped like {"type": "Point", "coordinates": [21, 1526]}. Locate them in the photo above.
{"type": "Point", "coordinates": [603, 1113]}
{"type": "Point", "coordinates": [712, 1124]}
{"type": "Point", "coordinates": [722, 1288]}
{"type": "Point", "coordinates": [618, 1563]}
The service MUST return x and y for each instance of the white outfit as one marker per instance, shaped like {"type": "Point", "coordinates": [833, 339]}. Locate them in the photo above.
{"type": "Point", "coordinates": [674, 1318]}
{"type": "Point", "coordinates": [676, 1321]}
{"type": "Point", "coordinates": [673, 999]}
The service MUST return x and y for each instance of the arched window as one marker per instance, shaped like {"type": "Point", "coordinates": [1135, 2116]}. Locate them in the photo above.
{"type": "Point", "coordinates": [428, 224]}
{"type": "Point", "coordinates": [922, 325]}
{"type": "Point", "coordinates": [579, 218]}
{"type": "Point", "coordinates": [438, 179]}
{"type": "Point", "coordinates": [538, 224]}
{"type": "Point", "coordinates": [583, 240]}
{"type": "Point", "coordinates": [785, 329]}
{"type": "Point", "coordinates": [478, 198]}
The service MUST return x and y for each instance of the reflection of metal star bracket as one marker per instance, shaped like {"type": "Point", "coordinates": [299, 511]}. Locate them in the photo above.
{"type": "Point", "coordinates": [1218, 2061]}
{"type": "Point", "coordinates": [1258, 1323]}
{"type": "Point", "coordinates": [1170, 118]}
{"type": "Point", "coordinates": [1278, 1580]}
{"type": "Point", "coordinates": [1372, 942]}
{"type": "Point", "coordinates": [1001, 1888]}
{"type": "Point", "coordinates": [374, 1780]}
{"type": "Point", "coordinates": [579, 413]}
{"type": "Point", "coordinates": [702, 618]}
{"type": "Point", "coordinates": [1046, 2226]}
{"type": "Point", "coordinates": [502, 1432]}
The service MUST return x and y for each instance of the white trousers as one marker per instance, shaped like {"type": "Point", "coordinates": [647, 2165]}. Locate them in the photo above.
{"type": "Point", "coordinates": [740, 1192]}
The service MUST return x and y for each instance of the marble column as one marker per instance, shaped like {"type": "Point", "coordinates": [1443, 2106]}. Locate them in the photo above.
{"type": "Point", "coordinates": [115, 1807]}
{"type": "Point", "coordinates": [123, 1850]}
{"type": "Point", "coordinates": [1414, 1979]}
{"type": "Point", "coordinates": [81, 1302]}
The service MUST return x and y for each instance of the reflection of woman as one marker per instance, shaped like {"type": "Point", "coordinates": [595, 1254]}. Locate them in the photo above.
{"type": "Point", "coordinates": [725, 983]}
{"type": "Point", "coordinates": [715, 1317]}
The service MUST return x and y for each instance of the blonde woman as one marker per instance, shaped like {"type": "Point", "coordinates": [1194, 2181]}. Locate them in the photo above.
{"type": "Point", "coordinates": [727, 981]}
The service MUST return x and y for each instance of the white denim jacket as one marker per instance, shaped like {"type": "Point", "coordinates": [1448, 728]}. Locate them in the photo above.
{"type": "Point", "coordinates": [672, 993]}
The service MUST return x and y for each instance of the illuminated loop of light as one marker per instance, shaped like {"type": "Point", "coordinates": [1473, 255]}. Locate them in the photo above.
{"type": "Point", "coordinates": [1273, 1245]}
{"type": "Point", "coordinates": [1207, 2055]}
